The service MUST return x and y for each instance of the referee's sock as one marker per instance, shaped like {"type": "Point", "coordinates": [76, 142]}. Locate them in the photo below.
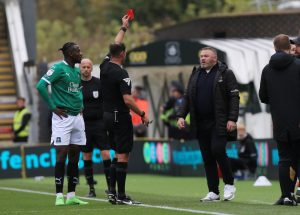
{"type": "Point", "coordinates": [284, 178]}
{"type": "Point", "coordinates": [107, 164]}
{"type": "Point", "coordinates": [112, 177]}
{"type": "Point", "coordinates": [89, 173]}
{"type": "Point", "coordinates": [73, 179]}
{"type": "Point", "coordinates": [121, 172]}
{"type": "Point", "coordinates": [59, 176]}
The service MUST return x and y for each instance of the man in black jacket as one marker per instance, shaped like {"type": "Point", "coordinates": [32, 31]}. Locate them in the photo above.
{"type": "Point", "coordinates": [212, 98]}
{"type": "Point", "coordinates": [280, 88]}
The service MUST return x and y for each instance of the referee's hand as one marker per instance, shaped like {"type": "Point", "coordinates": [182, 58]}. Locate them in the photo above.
{"type": "Point", "coordinates": [145, 120]}
{"type": "Point", "coordinates": [60, 112]}
{"type": "Point", "coordinates": [125, 21]}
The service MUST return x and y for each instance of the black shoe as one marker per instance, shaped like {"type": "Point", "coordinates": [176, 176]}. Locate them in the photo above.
{"type": "Point", "coordinates": [112, 198]}
{"type": "Point", "coordinates": [126, 200]}
{"type": "Point", "coordinates": [279, 201]}
{"type": "Point", "coordinates": [290, 201]}
{"type": "Point", "coordinates": [92, 193]}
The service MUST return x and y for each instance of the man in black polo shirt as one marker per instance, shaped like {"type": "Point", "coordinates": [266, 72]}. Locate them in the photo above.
{"type": "Point", "coordinates": [117, 100]}
{"type": "Point", "coordinates": [212, 98]}
{"type": "Point", "coordinates": [93, 118]}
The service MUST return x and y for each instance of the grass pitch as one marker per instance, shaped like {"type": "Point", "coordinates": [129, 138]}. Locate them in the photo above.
{"type": "Point", "coordinates": [160, 194]}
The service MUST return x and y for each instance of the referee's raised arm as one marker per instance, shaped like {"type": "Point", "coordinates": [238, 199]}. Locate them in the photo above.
{"type": "Point", "coordinates": [118, 40]}
{"type": "Point", "coordinates": [125, 25]}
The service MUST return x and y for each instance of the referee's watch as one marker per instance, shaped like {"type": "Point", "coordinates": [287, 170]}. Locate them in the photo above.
{"type": "Point", "coordinates": [123, 29]}
{"type": "Point", "coordinates": [142, 114]}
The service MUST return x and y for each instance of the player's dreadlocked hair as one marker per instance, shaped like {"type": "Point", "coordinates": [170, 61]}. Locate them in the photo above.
{"type": "Point", "coordinates": [66, 47]}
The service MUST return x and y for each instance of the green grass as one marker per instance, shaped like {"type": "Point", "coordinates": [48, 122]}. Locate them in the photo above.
{"type": "Point", "coordinates": [179, 192]}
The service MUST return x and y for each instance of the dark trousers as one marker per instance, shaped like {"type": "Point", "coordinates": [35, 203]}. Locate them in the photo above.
{"type": "Point", "coordinates": [289, 165]}
{"type": "Point", "coordinates": [237, 164]}
{"type": "Point", "coordinates": [213, 149]}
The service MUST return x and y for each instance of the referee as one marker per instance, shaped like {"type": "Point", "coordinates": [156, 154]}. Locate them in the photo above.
{"type": "Point", "coordinates": [117, 102]}
{"type": "Point", "coordinates": [96, 136]}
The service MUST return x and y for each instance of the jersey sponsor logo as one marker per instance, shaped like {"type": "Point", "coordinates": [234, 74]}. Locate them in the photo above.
{"type": "Point", "coordinates": [58, 140]}
{"type": "Point", "coordinates": [95, 94]}
{"type": "Point", "coordinates": [50, 72]}
{"type": "Point", "coordinates": [73, 87]}
{"type": "Point", "coordinates": [127, 80]}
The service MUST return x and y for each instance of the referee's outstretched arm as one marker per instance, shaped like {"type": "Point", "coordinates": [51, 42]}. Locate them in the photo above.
{"type": "Point", "coordinates": [125, 25]}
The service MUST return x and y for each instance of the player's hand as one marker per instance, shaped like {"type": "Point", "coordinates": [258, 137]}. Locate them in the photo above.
{"type": "Point", "coordinates": [60, 112]}
{"type": "Point", "coordinates": [145, 120]}
{"type": "Point", "coordinates": [181, 123]}
{"type": "Point", "coordinates": [125, 21]}
{"type": "Point", "coordinates": [231, 126]}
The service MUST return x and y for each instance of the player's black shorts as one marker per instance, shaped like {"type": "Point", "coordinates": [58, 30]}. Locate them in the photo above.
{"type": "Point", "coordinates": [96, 136]}
{"type": "Point", "coordinates": [120, 131]}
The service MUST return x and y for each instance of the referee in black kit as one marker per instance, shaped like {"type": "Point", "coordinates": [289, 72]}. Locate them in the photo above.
{"type": "Point", "coordinates": [96, 136]}
{"type": "Point", "coordinates": [117, 101]}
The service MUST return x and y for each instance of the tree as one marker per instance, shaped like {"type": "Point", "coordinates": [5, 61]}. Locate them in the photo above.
{"type": "Point", "coordinates": [94, 23]}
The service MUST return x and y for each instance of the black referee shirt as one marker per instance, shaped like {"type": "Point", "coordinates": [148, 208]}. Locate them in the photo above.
{"type": "Point", "coordinates": [115, 83]}
{"type": "Point", "coordinates": [92, 99]}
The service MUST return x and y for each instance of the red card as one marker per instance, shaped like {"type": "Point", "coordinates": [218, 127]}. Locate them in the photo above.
{"type": "Point", "coordinates": [130, 14]}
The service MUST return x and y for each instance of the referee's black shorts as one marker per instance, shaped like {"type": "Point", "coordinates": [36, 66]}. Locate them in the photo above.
{"type": "Point", "coordinates": [120, 131]}
{"type": "Point", "coordinates": [96, 136]}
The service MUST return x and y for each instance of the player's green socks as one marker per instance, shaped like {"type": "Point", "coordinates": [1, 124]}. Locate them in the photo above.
{"type": "Point", "coordinates": [75, 201]}
{"type": "Point", "coordinates": [59, 200]}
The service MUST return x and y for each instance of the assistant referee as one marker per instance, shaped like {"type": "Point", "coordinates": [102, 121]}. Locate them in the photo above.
{"type": "Point", "coordinates": [96, 136]}
{"type": "Point", "coordinates": [117, 102]}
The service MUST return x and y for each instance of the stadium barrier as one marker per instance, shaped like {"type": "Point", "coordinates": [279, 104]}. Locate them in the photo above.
{"type": "Point", "coordinates": [149, 156]}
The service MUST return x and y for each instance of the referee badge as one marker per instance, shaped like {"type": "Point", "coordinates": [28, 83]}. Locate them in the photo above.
{"type": "Point", "coordinates": [95, 94]}
{"type": "Point", "coordinates": [127, 80]}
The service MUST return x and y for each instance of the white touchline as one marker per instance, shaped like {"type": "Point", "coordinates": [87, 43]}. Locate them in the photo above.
{"type": "Point", "coordinates": [261, 202]}
{"type": "Point", "coordinates": [105, 200]}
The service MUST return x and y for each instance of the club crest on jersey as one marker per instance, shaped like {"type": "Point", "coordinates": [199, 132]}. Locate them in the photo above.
{"type": "Point", "coordinates": [95, 94]}
{"type": "Point", "coordinates": [127, 80]}
{"type": "Point", "coordinates": [58, 140]}
{"type": "Point", "coordinates": [50, 72]}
